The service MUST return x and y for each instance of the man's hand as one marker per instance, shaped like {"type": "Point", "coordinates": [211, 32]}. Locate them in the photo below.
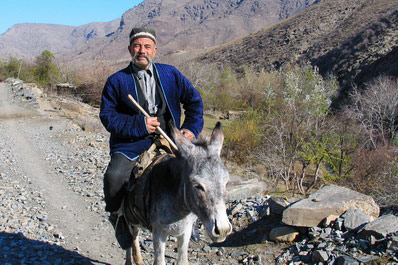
{"type": "Point", "coordinates": [151, 124]}
{"type": "Point", "coordinates": [190, 136]}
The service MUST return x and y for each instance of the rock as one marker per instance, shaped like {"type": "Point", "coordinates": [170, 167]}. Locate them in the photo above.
{"type": "Point", "coordinates": [278, 204]}
{"type": "Point", "coordinates": [328, 220]}
{"type": "Point", "coordinates": [244, 189]}
{"type": "Point", "coordinates": [392, 245]}
{"type": "Point", "coordinates": [319, 256]}
{"type": "Point", "coordinates": [354, 218]}
{"type": "Point", "coordinates": [283, 234]}
{"type": "Point", "coordinates": [345, 260]}
{"type": "Point", "coordinates": [380, 227]}
{"type": "Point", "coordinates": [330, 200]}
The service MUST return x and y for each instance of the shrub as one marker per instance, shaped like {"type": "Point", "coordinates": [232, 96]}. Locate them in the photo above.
{"type": "Point", "coordinates": [376, 109]}
{"type": "Point", "coordinates": [243, 136]}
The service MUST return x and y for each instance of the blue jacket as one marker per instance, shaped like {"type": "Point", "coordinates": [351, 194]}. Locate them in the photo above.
{"type": "Point", "coordinates": [127, 125]}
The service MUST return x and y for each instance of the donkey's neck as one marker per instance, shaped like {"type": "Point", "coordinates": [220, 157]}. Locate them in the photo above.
{"type": "Point", "coordinates": [180, 170]}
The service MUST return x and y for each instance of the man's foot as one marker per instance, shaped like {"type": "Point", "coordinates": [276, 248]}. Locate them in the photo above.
{"type": "Point", "coordinates": [195, 237]}
{"type": "Point", "coordinates": [122, 232]}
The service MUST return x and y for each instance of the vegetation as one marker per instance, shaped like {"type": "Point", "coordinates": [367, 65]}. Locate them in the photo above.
{"type": "Point", "coordinates": [280, 120]}
{"type": "Point", "coordinates": [287, 127]}
{"type": "Point", "coordinates": [43, 71]}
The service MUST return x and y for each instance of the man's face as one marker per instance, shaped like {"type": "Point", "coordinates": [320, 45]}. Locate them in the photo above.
{"type": "Point", "coordinates": [143, 50]}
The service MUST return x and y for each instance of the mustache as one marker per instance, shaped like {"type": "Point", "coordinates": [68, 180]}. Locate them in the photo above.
{"type": "Point", "coordinates": [134, 58]}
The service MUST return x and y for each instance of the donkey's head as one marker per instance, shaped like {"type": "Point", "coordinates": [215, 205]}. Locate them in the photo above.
{"type": "Point", "coordinates": [204, 182]}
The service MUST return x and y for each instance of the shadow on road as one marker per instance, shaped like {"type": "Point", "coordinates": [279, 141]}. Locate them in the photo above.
{"type": "Point", "coordinates": [17, 249]}
{"type": "Point", "coordinates": [253, 233]}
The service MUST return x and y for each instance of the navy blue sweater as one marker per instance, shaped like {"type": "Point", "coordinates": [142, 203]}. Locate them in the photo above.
{"type": "Point", "coordinates": [127, 125]}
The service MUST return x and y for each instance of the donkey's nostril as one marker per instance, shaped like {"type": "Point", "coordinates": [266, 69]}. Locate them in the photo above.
{"type": "Point", "coordinates": [216, 231]}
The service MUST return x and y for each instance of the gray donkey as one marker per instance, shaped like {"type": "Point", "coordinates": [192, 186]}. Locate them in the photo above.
{"type": "Point", "coordinates": [176, 191]}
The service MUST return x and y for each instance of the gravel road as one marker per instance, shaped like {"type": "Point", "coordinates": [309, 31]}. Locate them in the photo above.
{"type": "Point", "coordinates": [52, 209]}
{"type": "Point", "coordinates": [50, 185]}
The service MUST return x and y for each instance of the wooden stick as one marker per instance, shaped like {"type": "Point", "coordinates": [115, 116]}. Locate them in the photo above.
{"type": "Point", "coordinates": [157, 128]}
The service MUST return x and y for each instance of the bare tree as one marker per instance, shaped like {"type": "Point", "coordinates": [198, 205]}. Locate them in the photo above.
{"type": "Point", "coordinates": [376, 108]}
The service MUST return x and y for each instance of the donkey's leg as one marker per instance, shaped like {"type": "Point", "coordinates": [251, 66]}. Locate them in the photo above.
{"type": "Point", "coordinates": [128, 257]}
{"type": "Point", "coordinates": [183, 242]}
{"type": "Point", "coordinates": [136, 246]}
{"type": "Point", "coordinates": [159, 245]}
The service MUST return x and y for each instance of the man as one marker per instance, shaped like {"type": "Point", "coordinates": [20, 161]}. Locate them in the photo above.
{"type": "Point", "coordinates": [161, 90]}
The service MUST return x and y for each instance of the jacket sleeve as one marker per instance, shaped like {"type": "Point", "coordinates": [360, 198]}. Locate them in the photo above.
{"type": "Point", "coordinates": [115, 120]}
{"type": "Point", "coordinates": [193, 106]}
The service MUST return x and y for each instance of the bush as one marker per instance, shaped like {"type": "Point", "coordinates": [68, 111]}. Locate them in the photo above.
{"type": "Point", "coordinates": [376, 109]}
{"type": "Point", "coordinates": [243, 136]}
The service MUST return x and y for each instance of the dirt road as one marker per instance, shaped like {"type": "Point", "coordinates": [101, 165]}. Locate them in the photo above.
{"type": "Point", "coordinates": [29, 140]}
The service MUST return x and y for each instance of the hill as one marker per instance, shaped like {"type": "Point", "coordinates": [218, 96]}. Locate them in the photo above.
{"type": "Point", "coordinates": [181, 25]}
{"type": "Point", "coordinates": [28, 40]}
{"type": "Point", "coordinates": [355, 40]}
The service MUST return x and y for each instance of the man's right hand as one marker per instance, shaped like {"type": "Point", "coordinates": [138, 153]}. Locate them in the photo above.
{"type": "Point", "coordinates": [151, 124]}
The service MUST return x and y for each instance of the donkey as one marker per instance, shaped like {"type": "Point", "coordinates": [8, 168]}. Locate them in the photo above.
{"type": "Point", "coordinates": [175, 192]}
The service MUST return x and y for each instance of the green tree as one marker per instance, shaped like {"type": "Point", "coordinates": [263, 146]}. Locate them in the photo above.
{"type": "Point", "coordinates": [46, 71]}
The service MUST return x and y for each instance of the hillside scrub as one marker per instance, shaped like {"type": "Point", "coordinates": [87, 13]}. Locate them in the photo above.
{"type": "Point", "coordinates": [285, 124]}
{"type": "Point", "coordinates": [288, 128]}
{"type": "Point", "coordinates": [44, 71]}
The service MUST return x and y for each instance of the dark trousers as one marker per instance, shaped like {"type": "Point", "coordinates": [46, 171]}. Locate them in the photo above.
{"type": "Point", "coordinates": [116, 178]}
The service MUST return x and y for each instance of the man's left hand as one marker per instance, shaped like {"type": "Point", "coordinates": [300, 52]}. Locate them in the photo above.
{"type": "Point", "coordinates": [189, 135]}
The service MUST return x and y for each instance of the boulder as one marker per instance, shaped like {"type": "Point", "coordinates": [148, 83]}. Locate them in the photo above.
{"type": "Point", "coordinates": [355, 218]}
{"type": "Point", "coordinates": [283, 234]}
{"type": "Point", "coordinates": [244, 189]}
{"type": "Point", "coordinates": [278, 204]}
{"type": "Point", "coordinates": [329, 200]}
{"type": "Point", "coordinates": [380, 227]}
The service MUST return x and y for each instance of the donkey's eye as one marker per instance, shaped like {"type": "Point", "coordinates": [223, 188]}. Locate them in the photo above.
{"type": "Point", "coordinates": [199, 187]}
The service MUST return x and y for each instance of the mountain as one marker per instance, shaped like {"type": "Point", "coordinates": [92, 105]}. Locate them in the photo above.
{"type": "Point", "coordinates": [180, 25]}
{"type": "Point", "coordinates": [28, 40]}
{"type": "Point", "coordinates": [354, 40]}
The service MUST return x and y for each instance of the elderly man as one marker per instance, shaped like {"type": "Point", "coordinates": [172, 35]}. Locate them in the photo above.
{"type": "Point", "coordinates": [161, 90]}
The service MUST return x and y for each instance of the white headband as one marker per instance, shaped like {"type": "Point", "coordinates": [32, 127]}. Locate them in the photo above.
{"type": "Point", "coordinates": [142, 35]}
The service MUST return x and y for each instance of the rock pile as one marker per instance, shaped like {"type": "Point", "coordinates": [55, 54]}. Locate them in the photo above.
{"type": "Point", "coordinates": [335, 225]}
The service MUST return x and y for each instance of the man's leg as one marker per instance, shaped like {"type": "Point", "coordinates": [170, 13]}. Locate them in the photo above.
{"type": "Point", "coordinates": [116, 178]}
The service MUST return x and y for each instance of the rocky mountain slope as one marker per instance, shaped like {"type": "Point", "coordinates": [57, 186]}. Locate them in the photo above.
{"type": "Point", "coordinates": [181, 25]}
{"type": "Point", "coordinates": [355, 40]}
{"type": "Point", "coordinates": [28, 40]}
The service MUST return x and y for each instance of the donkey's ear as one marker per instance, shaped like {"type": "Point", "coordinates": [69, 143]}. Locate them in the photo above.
{"type": "Point", "coordinates": [183, 144]}
{"type": "Point", "coordinates": [216, 140]}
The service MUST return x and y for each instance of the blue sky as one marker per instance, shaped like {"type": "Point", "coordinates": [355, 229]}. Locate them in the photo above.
{"type": "Point", "coordinates": [64, 12]}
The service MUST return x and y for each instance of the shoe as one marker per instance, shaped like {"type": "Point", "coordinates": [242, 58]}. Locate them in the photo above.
{"type": "Point", "coordinates": [195, 237]}
{"type": "Point", "coordinates": [122, 231]}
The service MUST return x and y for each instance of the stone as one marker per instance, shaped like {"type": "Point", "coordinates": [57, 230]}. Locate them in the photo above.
{"type": "Point", "coordinates": [329, 200]}
{"type": "Point", "coordinates": [380, 227]}
{"type": "Point", "coordinates": [278, 204]}
{"type": "Point", "coordinates": [345, 260]}
{"type": "Point", "coordinates": [355, 218]}
{"type": "Point", "coordinates": [328, 220]}
{"type": "Point", "coordinates": [319, 256]}
{"type": "Point", "coordinates": [283, 234]}
{"type": "Point", "coordinates": [244, 189]}
{"type": "Point", "coordinates": [392, 245]}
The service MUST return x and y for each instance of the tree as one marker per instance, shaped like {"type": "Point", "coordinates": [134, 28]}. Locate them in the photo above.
{"type": "Point", "coordinates": [295, 125]}
{"type": "Point", "coordinates": [46, 72]}
{"type": "Point", "coordinates": [376, 109]}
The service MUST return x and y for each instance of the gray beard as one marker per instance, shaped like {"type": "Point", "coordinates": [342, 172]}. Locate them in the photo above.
{"type": "Point", "coordinates": [141, 65]}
